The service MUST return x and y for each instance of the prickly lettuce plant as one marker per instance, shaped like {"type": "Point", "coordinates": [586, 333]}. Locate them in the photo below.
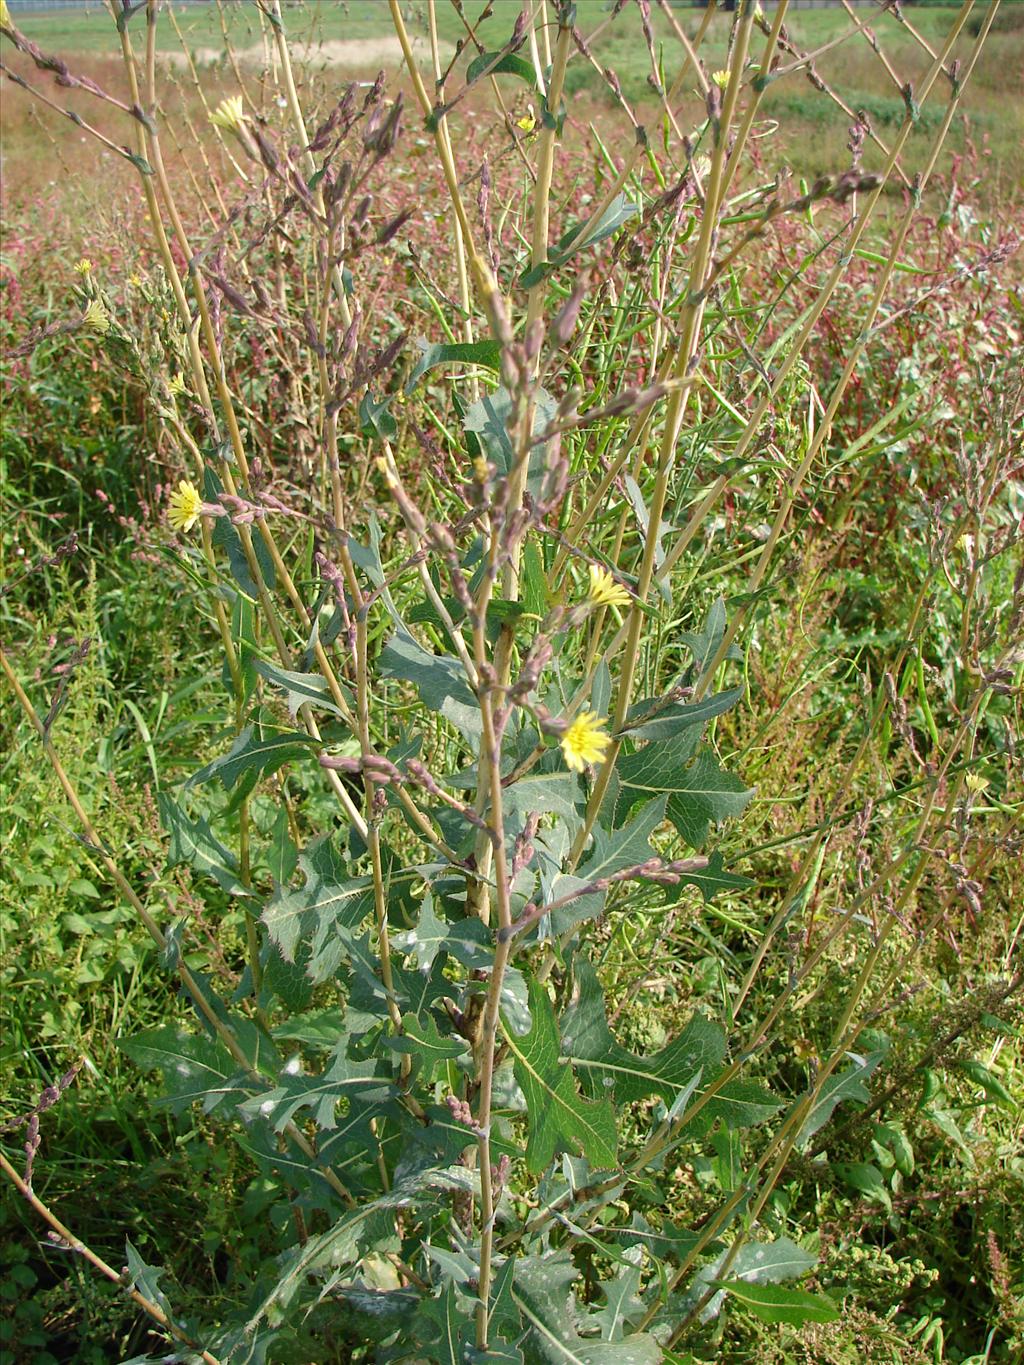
{"type": "Point", "coordinates": [471, 696]}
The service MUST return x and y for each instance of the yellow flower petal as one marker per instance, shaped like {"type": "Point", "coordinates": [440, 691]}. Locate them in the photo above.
{"type": "Point", "coordinates": [96, 317]}
{"type": "Point", "coordinates": [585, 741]}
{"type": "Point", "coordinates": [184, 506]}
{"type": "Point", "coordinates": [229, 114]}
{"type": "Point", "coordinates": [721, 79]}
{"type": "Point", "coordinates": [604, 591]}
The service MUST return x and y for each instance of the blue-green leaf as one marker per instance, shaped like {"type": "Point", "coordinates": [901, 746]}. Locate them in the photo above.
{"type": "Point", "coordinates": [439, 679]}
{"type": "Point", "coordinates": [489, 418]}
{"type": "Point", "coordinates": [193, 842]}
{"type": "Point", "coordinates": [312, 915]}
{"type": "Point", "coordinates": [559, 1118]}
{"type": "Point", "coordinates": [755, 1263]}
{"type": "Point", "coordinates": [699, 792]}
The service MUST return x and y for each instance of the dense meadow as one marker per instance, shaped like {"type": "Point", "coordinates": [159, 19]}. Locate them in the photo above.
{"type": "Point", "coordinates": [513, 647]}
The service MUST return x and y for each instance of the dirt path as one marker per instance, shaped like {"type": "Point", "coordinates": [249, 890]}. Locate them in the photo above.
{"type": "Point", "coordinates": [353, 53]}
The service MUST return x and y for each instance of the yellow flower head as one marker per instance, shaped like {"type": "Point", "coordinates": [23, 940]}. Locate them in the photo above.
{"type": "Point", "coordinates": [84, 266]}
{"type": "Point", "coordinates": [229, 114]}
{"type": "Point", "coordinates": [721, 79]}
{"type": "Point", "coordinates": [976, 783]}
{"type": "Point", "coordinates": [585, 741]}
{"type": "Point", "coordinates": [176, 384]}
{"type": "Point", "coordinates": [529, 120]}
{"type": "Point", "coordinates": [135, 280]}
{"type": "Point", "coordinates": [97, 317]}
{"type": "Point", "coordinates": [604, 591]}
{"type": "Point", "coordinates": [185, 506]}
{"type": "Point", "coordinates": [481, 469]}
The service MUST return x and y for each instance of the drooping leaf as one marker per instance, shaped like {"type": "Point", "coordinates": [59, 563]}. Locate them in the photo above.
{"type": "Point", "coordinates": [413, 991]}
{"type": "Point", "coordinates": [554, 792]}
{"type": "Point", "coordinates": [299, 687]}
{"type": "Point", "coordinates": [579, 238]}
{"type": "Point", "coordinates": [329, 900]}
{"type": "Point", "coordinates": [614, 850]}
{"type": "Point", "coordinates": [838, 1088]}
{"type": "Point", "coordinates": [342, 1244]}
{"type": "Point", "coordinates": [193, 842]}
{"type": "Point", "coordinates": [444, 1329]}
{"type": "Point", "coordinates": [249, 759]}
{"type": "Point", "coordinates": [146, 1279]}
{"type": "Point", "coordinates": [622, 1303]}
{"type": "Point", "coordinates": [666, 1242]}
{"type": "Point", "coordinates": [486, 353]}
{"type": "Point", "coordinates": [755, 1263]}
{"type": "Point", "coordinates": [225, 536]}
{"type": "Point", "coordinates": [559, 1118]}
{"type": "Point", "coordinates": [713, 879]}
{"type": "Point", "coordinates": [771, 1303]}
{"type": "Point", "coordinates": [677, 717]}
{"type": "Point", "coordinates": [703, 644]}
{"type": "Point", "coordinates": [503, 64]}
{"type": "Point", "coordinates": [605, 1067]}
{"type": "Point", "coordinates": [357, 1084]}
{"type": "Point", "coordinates": [610, 852]}
{"type": "Point", "coordinates": [424, 1042]}
{"type": "Point", "coordinates": [375, 420]}
{"type": "Point", "coordinates": [196, 1069]}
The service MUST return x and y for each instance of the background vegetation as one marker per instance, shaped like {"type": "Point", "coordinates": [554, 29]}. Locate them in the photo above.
{"type": "Point", "coordinates": [897, 570]}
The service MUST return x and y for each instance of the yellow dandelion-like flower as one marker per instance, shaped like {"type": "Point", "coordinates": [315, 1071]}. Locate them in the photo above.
{"type": "Point", "coordinates": [976, 783]}
{"type": "Point", "coordinates": [585, 741]}
{"type": "Point", "coordinates": [721, 79]}
{"type": "Point", "coordinates": [96, 317]}
{"type": "Point", "coordinates": [135, 280]}
{"type": "Point", "coordinates": [84, 266]}
{"type": "Point", "coordinates": [604, 591]}
{"type": "Point", "coordinates": [176, 384]}
{"type": "Point", "coordinates": [229, 114]}
{"type": "Point", "coordinates": [185, 506]}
